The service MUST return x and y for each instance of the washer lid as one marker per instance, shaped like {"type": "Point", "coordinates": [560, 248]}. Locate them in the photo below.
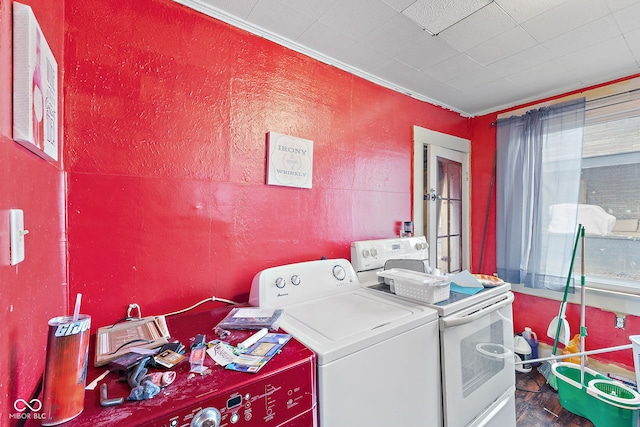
{"type": "Point", "coordinates": [348, 322]}
{"type": "Point", "coordinates": [346, 315]}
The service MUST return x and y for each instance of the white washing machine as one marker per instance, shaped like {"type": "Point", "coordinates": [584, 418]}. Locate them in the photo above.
{"type": "Point", "coordinates": [377, 359]}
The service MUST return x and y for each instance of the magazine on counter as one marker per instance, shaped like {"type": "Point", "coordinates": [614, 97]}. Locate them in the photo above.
{"type": "Point", "coordinates": [256, 356]}
{"type": "Point", "coordinates": [252, 318]}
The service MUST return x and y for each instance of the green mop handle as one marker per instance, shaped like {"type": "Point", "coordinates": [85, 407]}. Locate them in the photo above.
{"type": "Point", "coordinates": [566, 288]}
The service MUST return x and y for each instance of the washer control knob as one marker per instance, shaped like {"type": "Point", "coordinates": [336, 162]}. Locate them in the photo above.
{"type": "Point", "coordinates": [280, 282]}
{"type": "Point", "coordinates": [295, 280]}
{"type": "Point", "coordinates": [374, 252]}
{"type": "Point", "coordinates": [339, 272]}
{"type": "Point", "coordinates": [234, 418]}
{"type": "Point", "coordinates": [421, 245]}
{"type": "Point", "coordinates": [208, 417]}
{"type": "Point", "coordinates": [366, 253]}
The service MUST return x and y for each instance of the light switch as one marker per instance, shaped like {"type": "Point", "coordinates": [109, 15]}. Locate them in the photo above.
{"type": "Point", "coordinates": [17, 236]}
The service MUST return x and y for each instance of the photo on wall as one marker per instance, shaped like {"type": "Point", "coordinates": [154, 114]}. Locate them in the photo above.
{"type": "Point", "coordinates": [35, 86]}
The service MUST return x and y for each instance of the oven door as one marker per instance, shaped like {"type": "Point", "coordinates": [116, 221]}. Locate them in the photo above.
{"type": "Point", "coordinates": [477, 362]}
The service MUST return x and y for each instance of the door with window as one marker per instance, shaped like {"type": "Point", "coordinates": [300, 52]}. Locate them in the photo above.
{"type": "Point", "coordinates": [443, 207]}
{"type": "Point", "coordinates": [441, 197]}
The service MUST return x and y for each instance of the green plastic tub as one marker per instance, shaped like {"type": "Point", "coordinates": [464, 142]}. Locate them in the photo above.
{"type": "Point", "coordinates": [602, 401]}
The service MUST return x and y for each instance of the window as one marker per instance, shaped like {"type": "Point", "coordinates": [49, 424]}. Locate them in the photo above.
{"type": "Point", "coordinates": [611, 180]}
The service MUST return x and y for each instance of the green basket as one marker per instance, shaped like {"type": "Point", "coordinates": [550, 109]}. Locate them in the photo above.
{"type": "Point", "coordinates": [603, 402]}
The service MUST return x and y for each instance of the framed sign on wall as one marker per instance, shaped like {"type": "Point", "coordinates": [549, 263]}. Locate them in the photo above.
{"type": "Point", "coordinates": [35, 86]}
{"type": "Point", "coordinates": [289, 161]}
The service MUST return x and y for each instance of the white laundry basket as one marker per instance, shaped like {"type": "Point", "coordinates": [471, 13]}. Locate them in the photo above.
{"type": "Point", "coordinates": [416, 285]}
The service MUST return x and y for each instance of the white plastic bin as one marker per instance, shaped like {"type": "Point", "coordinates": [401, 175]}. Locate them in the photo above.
{"type": "Point", "coordinates": [418, 286]}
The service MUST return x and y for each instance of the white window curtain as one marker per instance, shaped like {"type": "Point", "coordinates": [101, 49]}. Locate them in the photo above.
{"type": "Point", "coordinates": [538, 165]}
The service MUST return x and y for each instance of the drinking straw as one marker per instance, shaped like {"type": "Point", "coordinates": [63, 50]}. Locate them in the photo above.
{"type": "Point", "coordinates": [76, 311]}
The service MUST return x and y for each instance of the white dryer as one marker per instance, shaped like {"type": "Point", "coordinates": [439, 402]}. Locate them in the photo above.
{"type": "Point", "coordinates": [377, 358]}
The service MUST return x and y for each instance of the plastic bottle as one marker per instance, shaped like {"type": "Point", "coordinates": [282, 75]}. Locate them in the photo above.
{"type": "Point", "coordinates": [532, 339]}
{"type": "Point", "coordinates": [522, 351]}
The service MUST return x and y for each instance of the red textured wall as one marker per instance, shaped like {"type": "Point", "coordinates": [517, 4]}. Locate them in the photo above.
{"type": "Point", "coordinates": [537, 313]}
{"type": "Point", "coordinates": [483, 199]}
{"type": "Point", "coordinates": [166, 116]}
{"type": "Point", "coordinates": [35, 290]}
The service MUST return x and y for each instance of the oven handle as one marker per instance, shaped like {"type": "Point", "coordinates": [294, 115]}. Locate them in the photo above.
{"type": "Point", "coordinates": [494, 304]}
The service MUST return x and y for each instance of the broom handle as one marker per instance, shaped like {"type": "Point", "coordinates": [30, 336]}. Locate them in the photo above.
{"type": "Point", "coordinates": [566, 289]}
{"type": "Point", "coordinates": [582, 353]}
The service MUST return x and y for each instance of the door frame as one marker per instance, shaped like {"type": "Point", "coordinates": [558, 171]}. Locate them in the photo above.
{"type": "Point", "coordinates": [424, 137]}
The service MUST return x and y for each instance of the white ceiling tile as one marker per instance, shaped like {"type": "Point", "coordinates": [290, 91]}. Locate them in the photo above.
{"type": "Point", "coordinates": [422, 82]}
{"type": "Point", "coordinates": [357, 18]}
{"type": "Point", "coordinates": [479, 76]}
{"type": "Point", "coordinates": [447, 95]}
{"type": "Point", "coordinates": [453, 67]}
{"type": "Point", "coordinates": [427, 51]}
{"type": "Point", "coordinates": [394, 70]}
{"type": "Point", "coordinates": [607, 76]}
{"type": "Point", "coordinates": [240, 9]}
{"type": "Point", "coordinates": [543, 79]}
{"type": "Point", "coordinates": [498, 93]}
{"type": "Point", "coordinates": [399, 5]}
{"type": "Point", "coordinates": [521, 61]}
{"type": "Point", "coordinates": [361, 56]}
{"type": "Point", "coordinates": [312, 8]}
{"type": "Point", "coordinates": [564, 18]}
{"type": "Point", "coordinates": [628, 18]}
{"type": "Point", "coordinates": [325, 40]}
{"type": "Point", "coordinates": [437, 15]}
{"type": "Point", "coordinates": [633, 39]}
{"type": "Point", "coordinates": [483, 25]}
{"type": "Point", "coordinates": [615, 5]}
{"type": "Point", "coordinates": [607, 56]}
{"type": "Point", "coordinates": [502, 46]}
{"type": "Point", "coordinates": [279, 18]}
{"type": "Point", "coordinates": [582, 37]}
{"type": "Point", "coordinates": [394, 36]}
{"type": "Point", "coordinates": [523, 10]}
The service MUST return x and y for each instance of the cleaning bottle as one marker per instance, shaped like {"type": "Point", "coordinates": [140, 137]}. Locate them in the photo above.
{"type": "Point", "coordinates": [522, 351]}
{"type": "Point", "coordinates": [532, 339]}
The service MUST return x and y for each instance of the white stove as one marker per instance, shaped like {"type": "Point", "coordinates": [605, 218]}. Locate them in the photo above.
{"type": "Point", "coordinates": [376, 357]}
{"type": "Point", "coordinates": [476, 336]}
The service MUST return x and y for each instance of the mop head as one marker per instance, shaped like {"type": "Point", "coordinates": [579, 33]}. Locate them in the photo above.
{"type": "Point", "coordinates": [547, 372]}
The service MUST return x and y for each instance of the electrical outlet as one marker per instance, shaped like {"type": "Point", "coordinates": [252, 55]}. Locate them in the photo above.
{"type": "Point", "coordinates": [620, 321]}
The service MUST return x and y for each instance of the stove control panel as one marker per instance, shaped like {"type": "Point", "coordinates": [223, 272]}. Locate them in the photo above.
{"type": "Point", "coordinates": [372, 254]}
